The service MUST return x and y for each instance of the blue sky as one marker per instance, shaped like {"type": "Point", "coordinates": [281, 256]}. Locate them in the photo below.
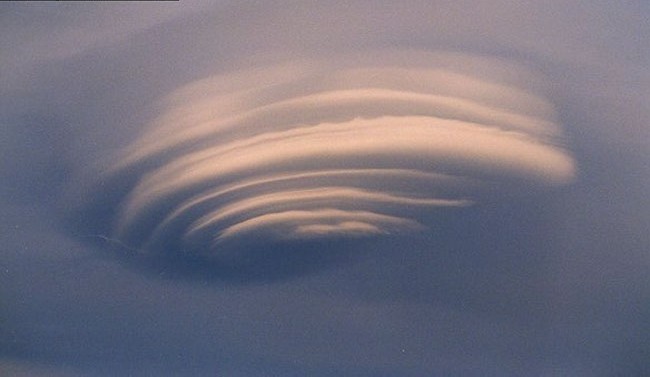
{"type": "Point", "coordinates": [484, 212]}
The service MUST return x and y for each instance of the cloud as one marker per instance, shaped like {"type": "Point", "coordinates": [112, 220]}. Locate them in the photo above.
{"type": "Point", "coordinates": [491, 279]}
{"type": "Point", "coordinates": [345, 146]}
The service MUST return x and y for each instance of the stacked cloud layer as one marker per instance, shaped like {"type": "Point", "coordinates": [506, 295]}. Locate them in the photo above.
{"type": "Point", "coordinates": [347, 147]}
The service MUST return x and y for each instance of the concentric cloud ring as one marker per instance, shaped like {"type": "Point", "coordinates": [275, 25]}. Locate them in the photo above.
{"type": "Point", "coordinates": [346, 147]}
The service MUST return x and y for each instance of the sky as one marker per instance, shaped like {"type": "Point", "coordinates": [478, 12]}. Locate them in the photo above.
{"type": "Point", "coordinates": [291, 188]}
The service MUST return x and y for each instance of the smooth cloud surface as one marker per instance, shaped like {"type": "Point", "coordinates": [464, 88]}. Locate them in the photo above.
{"type": "Point", "coordinates": [348, 146]}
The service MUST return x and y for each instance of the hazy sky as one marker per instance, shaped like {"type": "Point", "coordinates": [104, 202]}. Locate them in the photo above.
{"type": "Point", "coordinates": [358, 188]}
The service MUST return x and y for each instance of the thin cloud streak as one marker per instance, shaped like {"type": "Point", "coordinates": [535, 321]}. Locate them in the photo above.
{"type": "Point", "coordinates": [312, 223]}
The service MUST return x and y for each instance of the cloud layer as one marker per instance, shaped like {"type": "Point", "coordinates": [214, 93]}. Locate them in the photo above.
{"type": "Point", "coordinates": [496, 283]}
{"type": "Point", "coordinates": [341, 147]}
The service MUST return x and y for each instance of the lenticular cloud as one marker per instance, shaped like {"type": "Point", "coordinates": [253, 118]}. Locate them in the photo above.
{"type": "Point", "coordinates": [354, 146]}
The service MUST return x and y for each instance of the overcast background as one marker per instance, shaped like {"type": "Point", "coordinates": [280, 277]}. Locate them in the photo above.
{"type": "Point", "coordinates": [551, 284]}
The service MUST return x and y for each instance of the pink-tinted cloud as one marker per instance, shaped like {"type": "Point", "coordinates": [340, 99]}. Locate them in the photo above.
{"type": "Point", "coordinates": [274, 152]}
